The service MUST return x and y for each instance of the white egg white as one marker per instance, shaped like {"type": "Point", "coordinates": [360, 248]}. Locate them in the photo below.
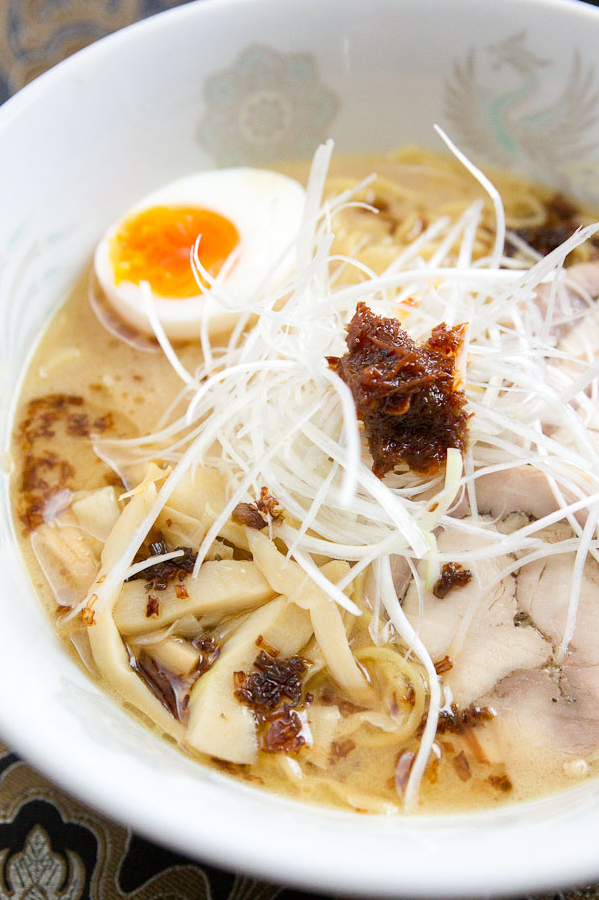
{"type": "Point", "coordinates": [266, 209]}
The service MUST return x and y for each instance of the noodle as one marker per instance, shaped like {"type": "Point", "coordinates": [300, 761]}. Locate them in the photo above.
{"type": "Point", "coordinates": [254, 589]}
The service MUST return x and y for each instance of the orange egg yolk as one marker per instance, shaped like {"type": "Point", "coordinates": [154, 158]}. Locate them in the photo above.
{"type": "Point", "coordinates": [155, 246]}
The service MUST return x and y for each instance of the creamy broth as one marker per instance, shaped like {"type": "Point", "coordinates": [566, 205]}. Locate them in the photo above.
{"type": "Point", "coordinates": [355, 744]}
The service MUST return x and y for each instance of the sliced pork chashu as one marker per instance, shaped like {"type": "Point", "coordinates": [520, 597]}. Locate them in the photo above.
{"type": "Point", "coordinates": [543, 591]}
{"type": "Point", "coordinates": [554, 711]}
{"type": "Point", "coordinates": [474, 624]}
{"type": "Point", "coordinates": [540, 720]}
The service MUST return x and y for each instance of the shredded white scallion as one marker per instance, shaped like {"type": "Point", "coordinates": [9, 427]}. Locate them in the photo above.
{"type": "Point", "coordinates": [152, 561]}
{"type": "Point", "coordinates": [267, 410]}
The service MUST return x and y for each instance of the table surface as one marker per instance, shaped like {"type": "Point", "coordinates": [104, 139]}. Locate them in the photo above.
{"type": "Point", "coordinates": [52, 846]}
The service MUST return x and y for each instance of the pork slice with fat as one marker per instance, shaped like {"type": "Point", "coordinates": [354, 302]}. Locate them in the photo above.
{"type": "Point", "coordinates": [521, 489]}
{"type": "Point", "coordinates": [543, 591]}
{"type": "Point", "coordinates": [541, 725]}
{"type": "Point", "coordinates": [551, 715]}
{"type": "Point", "coordinates": [474, 624]}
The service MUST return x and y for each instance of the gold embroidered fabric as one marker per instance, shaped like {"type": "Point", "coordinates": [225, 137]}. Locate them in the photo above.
{"type": "Point", "coordinates": [54, 848]}
{"type": "Point", "coordinates": [37, 34]}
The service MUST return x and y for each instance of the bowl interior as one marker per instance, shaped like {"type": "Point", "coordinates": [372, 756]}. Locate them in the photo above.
{"type": "Point", "coordinates": [226, 82]}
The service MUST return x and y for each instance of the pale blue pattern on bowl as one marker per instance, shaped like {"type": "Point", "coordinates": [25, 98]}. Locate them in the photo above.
{"type": "Point", "coordinates": [267, 106]}
{"type": "Point", "coordinates": [498, 109]}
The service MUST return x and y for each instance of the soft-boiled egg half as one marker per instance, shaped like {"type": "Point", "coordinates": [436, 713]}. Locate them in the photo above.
{"type": "Point", "coordinates": [247, 221]}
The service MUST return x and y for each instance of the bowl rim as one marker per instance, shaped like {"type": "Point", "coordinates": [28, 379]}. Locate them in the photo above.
{"type": "Point", "coordinates": [131, 807]}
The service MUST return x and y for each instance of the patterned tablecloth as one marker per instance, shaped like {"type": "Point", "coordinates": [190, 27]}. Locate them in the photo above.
{"type": "Point", "coordinates": [52, 847]}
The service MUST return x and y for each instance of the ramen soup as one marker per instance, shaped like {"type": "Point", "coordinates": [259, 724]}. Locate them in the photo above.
{"type": "Point", "coordinates": [308, 476]}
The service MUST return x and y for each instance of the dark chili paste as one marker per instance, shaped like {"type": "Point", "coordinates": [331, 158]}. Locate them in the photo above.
{"type": "Point", "coordinates": [283, 732]}
{"type": "Point", "coordinates": [452, 575]}
{"type": "Point", "coordinates": [152, 607]}
{"type": "Point", "coordinates": [405, 393]}
{"type": "Point", "coordinates": [160, 575]}
{"type": "Point", "coordinates": [248, 514]}
{"type": "Point", "coordinates": [269, 505]}
{"type": "Point", "coordinates": [444, 665]}
{"type": "Point", "coordinates": [456, 721]}
{"type": "Point", "coordinates": [252, 514]}
{"type": "Point", "coordinates": [271, 692]}
{"type": "Point", "coordinates": [209, 652]}
{"type": "Point", "coordinates": [562, 220]}
{"type": "Point", "coordinates": [276, 678]}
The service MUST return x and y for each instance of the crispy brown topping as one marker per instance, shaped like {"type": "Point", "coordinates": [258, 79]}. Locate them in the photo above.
{"type": "Point", "coordinates": [44, 474]}
{"type": "Point", "coordinates": [160, 575]}
{"type": "Point", "coordinates": [252, 514]}
{"type": "Point", "coordinates": [269, 505]}
{"type": "Point", "coordinates": [152, 607]}
{"type": "Point", "coordinates": [405, 393]}
{"type": "Point", "coordinates": [283, 734]}
{"type": "Point", "coordinates": [500, 783]}
{"type": "Point", "coordinates": [276, 678]}
{"type": "Point", "coordinates": [462, 766]}
{"type": "Point", "coordinates": [209, 652]}
{"type": "Point", "coordinates": [444, 665]}
{"type": "Point", "coordinates": [260, 642]}
{"type": "Point", "coordinates": [78, 425]}
{"type": "Point", "coordinates": [248, 514]}
{"type": "Point", "coordinates": [454, 721]}
{"type": "Point", "coordinates": [181, 592]}
{"type": "Point", "coordinates": [88, 613]}
{"type": "Point", "coordinates": [271, 692]}
{"type": "Point", "coordinates": [452, 575]}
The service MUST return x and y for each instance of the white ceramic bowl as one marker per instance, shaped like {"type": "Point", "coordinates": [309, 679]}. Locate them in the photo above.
{"type": "Point", "coordinates": [228, 81]}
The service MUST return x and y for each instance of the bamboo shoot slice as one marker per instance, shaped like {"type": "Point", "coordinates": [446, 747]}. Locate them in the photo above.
{"type": "Point", "coordinates": [97, 513]}
{"type": "Point", "coordinates": [108, 649]}
{"type": "Point", "coordinates": [177, 655]}
{"type": "Point", "coordinates": [225, 586]}
{"type": "Point", "coordinates": [327, 621]}
{"type": "Point", "coordinates": [67, 558]}
{"type": "Point", "coordinates": [201, 495]}
{"type": "Point", "coordinates": [219, 725]}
